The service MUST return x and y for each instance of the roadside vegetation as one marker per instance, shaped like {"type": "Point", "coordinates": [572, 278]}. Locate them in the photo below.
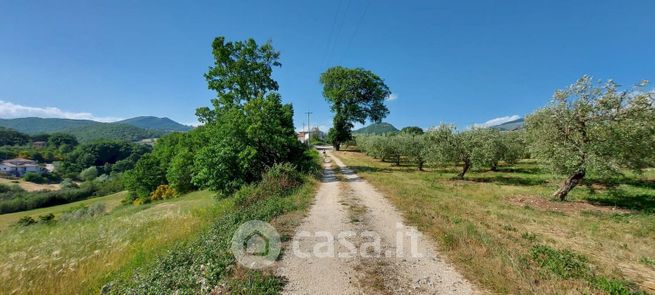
{"type": "Point", "coordinates": [247, 153]}
{"type": "Point", "coordinates": [206, 264]}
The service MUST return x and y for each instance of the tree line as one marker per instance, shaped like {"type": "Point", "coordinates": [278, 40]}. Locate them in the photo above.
{"type": "Point", "coordinates": [478, 147]}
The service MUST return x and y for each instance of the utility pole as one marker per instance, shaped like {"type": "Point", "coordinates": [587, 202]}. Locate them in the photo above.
{"type": "Point", "coordinates": [309, 130]}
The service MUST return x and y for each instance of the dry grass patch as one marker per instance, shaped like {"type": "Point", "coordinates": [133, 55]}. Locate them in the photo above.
{"type": "Point", "coordinates": [491, 240]}
{"type": "Point", "coordinates": [30, 186]}
{"type": "Point", "coordinates": [573, 207]}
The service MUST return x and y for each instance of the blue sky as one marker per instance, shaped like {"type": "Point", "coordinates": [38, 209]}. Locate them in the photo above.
{"type": "Point", "coordinates": [462, 62]}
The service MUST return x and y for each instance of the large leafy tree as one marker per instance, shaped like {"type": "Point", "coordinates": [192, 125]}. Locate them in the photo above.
{"type": "Point", "coordinates": [148, 173]}
{"type": "Point", "coordinates": [593, 127]}
{"type": "Point", "coordinates": [355, 96]}
{"type": "Point", "coordinates": [170, 162]}
{"type": "Point", "coordinates": [241, 72]}
{"type": "Point", "coordinates": [249, 128]}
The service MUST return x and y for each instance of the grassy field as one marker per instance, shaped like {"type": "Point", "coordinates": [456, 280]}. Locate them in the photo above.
{"type": "Point", "coordinates": [81, 255]}
{"type": "Point", "coordinates": [205, 264]}
{"type": "Point", "coordinates": [30, 186]}
{"type": "Point", "coordinates": [110, 202]}
{"type": "Point", "coordinates": [504, 231]}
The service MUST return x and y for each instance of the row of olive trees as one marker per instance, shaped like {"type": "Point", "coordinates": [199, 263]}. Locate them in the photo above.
{"type": "Point", "coordinates": [588, 128]}
{"type": "Point", "coordinates": [478, 147]}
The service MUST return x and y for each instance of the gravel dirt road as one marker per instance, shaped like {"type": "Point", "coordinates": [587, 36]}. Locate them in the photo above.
{"type": "Point", "coordinates": [353, 241]}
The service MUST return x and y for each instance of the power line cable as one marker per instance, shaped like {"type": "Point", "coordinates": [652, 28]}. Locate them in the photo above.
{"type": "Point", "coordinates": [357, 26]}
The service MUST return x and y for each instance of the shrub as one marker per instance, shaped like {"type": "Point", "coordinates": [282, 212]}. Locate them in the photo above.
{"type": "Point", "coordinates": [563, 263]}
{"type": "Point", "coordinates": [34, 177]}
{"type": "Point", "coordinates": [4, 188]}
{"type": "Point", "coordinates": [163, 192]}
{"type": "Point", "coordinates": [279, 180]}
{"type": "Point", "coordinates": [102, 178]}
{"type": "Point", "coordinates": [26, 220]}
{"type": "Point", "coordinates": [84, 212]}
{"type": "Point", "coordinates": [89, 173]}
{"type": "Point", "coordinates": [47, 219]}
{"type": "Point", "coordinates": [67, 183]}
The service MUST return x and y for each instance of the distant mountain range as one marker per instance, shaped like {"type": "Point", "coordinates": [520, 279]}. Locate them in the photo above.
{"type": "Point", "coordinates": [511, 125]}
{"type": "Point", "coordinates": [134, 129]}
{"type": "Point", "coordinates": [377, 128]}
{"type": "Point", "coordinates": [383, 128]}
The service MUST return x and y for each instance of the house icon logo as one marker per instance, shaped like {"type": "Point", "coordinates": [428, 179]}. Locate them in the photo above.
{"type": "Point", "coordinates": [256, 244]}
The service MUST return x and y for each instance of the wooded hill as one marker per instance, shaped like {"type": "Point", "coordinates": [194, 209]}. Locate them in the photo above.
{"type": "Point", "coordinates": [134, 129]}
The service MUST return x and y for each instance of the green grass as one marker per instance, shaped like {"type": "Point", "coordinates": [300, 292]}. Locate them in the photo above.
{"type": "Point", "coordinates": [110, 201]}
{"type": "Point", "coordinates": [206, 263]}
{"type": "Point", "coordinates": [490, 236]}
{"type": "Point", "coordinates": [81, 255]}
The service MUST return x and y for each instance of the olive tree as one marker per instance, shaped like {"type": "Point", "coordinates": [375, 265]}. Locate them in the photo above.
{"type": "Point", "coordinates": [491, 146]}
{"type": "Point", "coordinates": [514, 146]}
{"type": "Point", "coordinates": [414, 148]}
{"type": "Point", "coordinates": [593, 127]}
{"type": "Point", "coordinates": [477, 147]}
{"type": "Point", "coordinates": [447, 147]}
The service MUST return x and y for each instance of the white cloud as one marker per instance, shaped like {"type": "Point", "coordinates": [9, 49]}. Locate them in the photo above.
{"type": "Point", "coordinates": [392, 97]}
{"type": "Point", "coordinates": [497, 121]}
{"type": "Point", "coordinates": [10, 110]}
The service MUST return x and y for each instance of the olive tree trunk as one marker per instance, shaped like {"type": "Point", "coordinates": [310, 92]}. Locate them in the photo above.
{"type": "Point", "coordinates": [467, 165]}
{"type": "Point", "coordinates": [569, 184]}
{"type": "Point", "coordinates": [420, 165]}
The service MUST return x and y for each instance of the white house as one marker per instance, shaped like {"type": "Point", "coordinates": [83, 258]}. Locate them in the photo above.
{"type": "Point", "coordinates": [19, 167]}
{"type": "Point", "coordinates": [303, 136]}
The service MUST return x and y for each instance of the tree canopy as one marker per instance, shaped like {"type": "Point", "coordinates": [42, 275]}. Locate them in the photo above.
{"type": "Point", "coordinates": [249, 128]}
{"type": "Point", "coordinates": [412, 130]}
{"type": "Point", "coordinates": [355, 96]}
{"type": "Point", "coordinates": [12, 137]}
{"type": "Point", "coordinates": [241, 72]}
{"type": "Point", "coordinates": [593, 127]}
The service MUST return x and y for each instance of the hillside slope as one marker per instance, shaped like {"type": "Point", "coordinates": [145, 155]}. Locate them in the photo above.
{"type": "Point", "coordinates": [511, 125]}
{"type": "Point", "coordinates": [112, 131]}
{"type": "Point", "coordinates": [33, 125]}
{"type": "Point", "coordinates": [377, 128]}
{"type": "Point", "coordinates": [87, 130]}
{"type": "Point", "coordinates": [155, 123]}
